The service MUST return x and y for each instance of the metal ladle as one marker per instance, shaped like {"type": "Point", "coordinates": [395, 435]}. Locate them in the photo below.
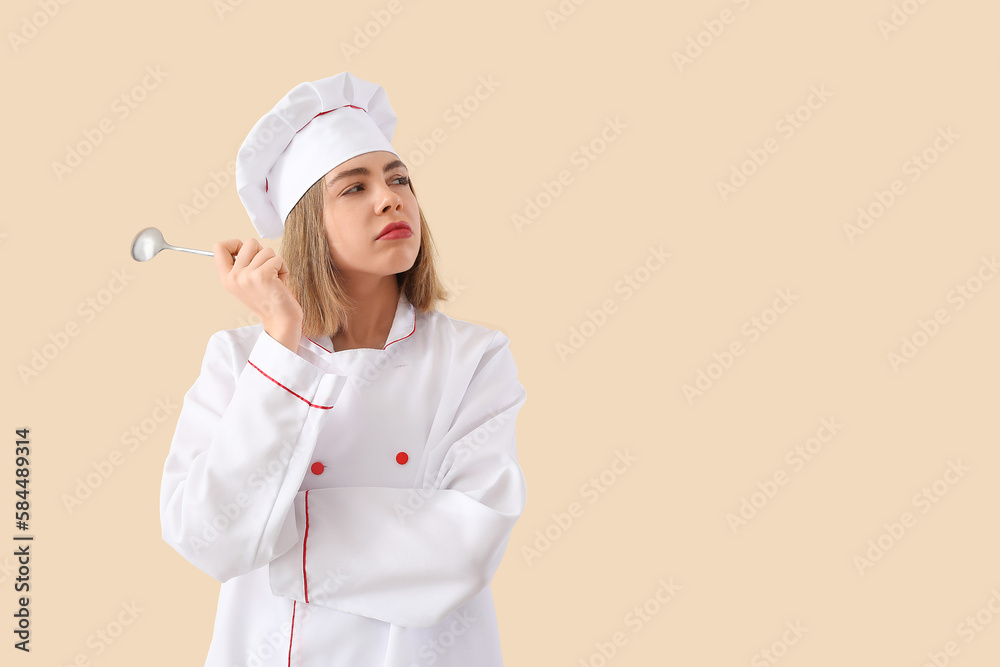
{"type": "Point", "coordinates": [149, 242]}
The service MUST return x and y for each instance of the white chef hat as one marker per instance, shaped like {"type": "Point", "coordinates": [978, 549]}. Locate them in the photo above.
{"type": "Point", "coordinates": [315, 127]}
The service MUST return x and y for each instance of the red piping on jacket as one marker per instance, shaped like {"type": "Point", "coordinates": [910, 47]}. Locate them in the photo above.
{"type": "Point", "coordinates": [312, 405]}
{"type": "Point", "coordinates": [383, 347]}
{"type": "Point", "coordinates": [407, 335]}
{"type": "Point", "coordinates": [318, 345]}
{"type": "Point", "coordinates": [292, 634]}
{"type": "Point", "coordinates": [305, 582]}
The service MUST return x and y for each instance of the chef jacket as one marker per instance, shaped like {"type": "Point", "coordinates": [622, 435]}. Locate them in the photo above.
{"type": "Point", "coordinates": [355, 503]}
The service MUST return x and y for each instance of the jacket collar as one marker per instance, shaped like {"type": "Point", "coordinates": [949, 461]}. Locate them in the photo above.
{"type": "Point", "coordinates": [403, 325]}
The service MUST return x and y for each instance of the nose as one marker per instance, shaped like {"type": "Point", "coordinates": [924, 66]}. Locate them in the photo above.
{"type": "Point", "coordinates": [390, 200]}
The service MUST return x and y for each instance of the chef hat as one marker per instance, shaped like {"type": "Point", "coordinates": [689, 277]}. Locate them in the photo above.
{"type": "Point", "coordinates": [315, 127]}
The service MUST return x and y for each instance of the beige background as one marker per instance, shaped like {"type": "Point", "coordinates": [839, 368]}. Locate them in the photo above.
{"type": "Point", "coordinates": [686, 128]}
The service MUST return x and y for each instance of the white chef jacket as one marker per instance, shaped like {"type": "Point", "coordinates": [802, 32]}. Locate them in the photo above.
{"type": "Point", "coordinates": [355, 503]}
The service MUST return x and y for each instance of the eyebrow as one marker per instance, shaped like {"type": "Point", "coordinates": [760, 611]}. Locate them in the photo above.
{"type": "Point", "coordinates": [363, 171]}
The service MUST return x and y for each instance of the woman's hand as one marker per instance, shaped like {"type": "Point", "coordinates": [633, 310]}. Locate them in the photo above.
{"type": "Point", "coordinates": [256, 275]}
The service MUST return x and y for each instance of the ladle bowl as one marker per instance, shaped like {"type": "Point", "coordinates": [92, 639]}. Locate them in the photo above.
{"type": "Point", "coordinates": [149, 242]}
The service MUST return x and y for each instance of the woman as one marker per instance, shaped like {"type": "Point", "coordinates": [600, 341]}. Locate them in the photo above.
{"type": "Point", "coordinates": [347, 468]}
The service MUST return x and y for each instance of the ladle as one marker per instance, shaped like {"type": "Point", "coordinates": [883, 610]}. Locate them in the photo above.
{"type": "Point", "coordinates": [149, 242]}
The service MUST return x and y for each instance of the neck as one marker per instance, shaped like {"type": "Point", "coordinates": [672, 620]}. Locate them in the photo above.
{"type": "Point", "coordinates": [371, 319]}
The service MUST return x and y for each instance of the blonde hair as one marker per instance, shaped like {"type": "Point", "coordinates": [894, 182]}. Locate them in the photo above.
{"type": "Point", "coordinates": [317, 284]}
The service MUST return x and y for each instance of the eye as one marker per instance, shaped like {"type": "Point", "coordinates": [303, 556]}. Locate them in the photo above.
{"type": "Point", "coordinates": [405, 181]}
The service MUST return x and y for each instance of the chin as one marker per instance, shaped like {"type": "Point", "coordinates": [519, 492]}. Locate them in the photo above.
{"type": "Point", "coordinates": [401, 265]}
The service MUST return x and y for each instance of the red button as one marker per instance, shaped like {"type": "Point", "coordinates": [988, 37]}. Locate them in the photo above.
{"type": "Point", "coordinates": [402, 458]}
{"type": "Point", "coordinates": [317, 468]}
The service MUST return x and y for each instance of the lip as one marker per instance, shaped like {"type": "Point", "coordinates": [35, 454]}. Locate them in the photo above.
{"type": "Point", "coordinates": [392, 227]}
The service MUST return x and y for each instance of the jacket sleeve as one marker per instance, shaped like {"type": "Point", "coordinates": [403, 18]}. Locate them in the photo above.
{"type": "Point", "coordinates": [412, 556]}
{"type": "Point", "coordinates": [244, 438]}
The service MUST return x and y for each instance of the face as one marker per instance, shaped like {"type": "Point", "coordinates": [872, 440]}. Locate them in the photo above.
{"type": "Point", "coordinates": [361, 197]}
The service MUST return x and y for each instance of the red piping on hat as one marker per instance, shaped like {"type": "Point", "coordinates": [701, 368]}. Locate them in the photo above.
{"type": "Point", "coordinates": [317, 116]}
{"type": "Point", "coordinates": [335, 108]}
{"type": "Point", "coordinates": [328, 111]}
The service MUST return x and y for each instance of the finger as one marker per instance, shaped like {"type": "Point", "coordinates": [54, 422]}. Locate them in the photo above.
{"type": "Point", "coordinates": [246, 254]}
{"type": "Point", "coordinates": [279, 266]}
{"type": "Point", "coordinates": [261, 257]}
{"type": "Point", "coordinates": [223, 252]}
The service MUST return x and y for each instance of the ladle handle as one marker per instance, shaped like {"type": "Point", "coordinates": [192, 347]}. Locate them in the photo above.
{"type": "Point", "coordinates": [197, 252]}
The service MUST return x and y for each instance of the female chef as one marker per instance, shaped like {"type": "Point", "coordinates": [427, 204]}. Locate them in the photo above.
{"type": "Point", "coordinates": [347, 467]}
